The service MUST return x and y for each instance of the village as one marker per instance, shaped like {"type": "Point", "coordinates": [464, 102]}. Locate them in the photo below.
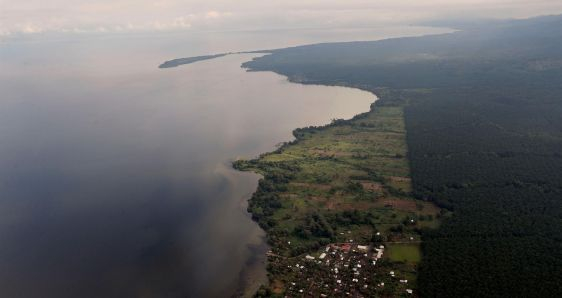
{"type": "Point", "coordinates": [343, 270]}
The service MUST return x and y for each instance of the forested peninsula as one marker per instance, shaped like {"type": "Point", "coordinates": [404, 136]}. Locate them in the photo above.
{"type": "Point", "coordinates": [189, 60]}
{"type": "Point", "coordinates": [450, 186]}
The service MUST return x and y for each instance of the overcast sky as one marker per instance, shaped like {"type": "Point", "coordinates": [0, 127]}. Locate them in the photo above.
{"type": "Point", "coordinates": [35, 16]}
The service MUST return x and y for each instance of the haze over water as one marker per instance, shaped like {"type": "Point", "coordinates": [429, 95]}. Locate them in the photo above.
{"type": "Point", "coordinates": [115, 176]}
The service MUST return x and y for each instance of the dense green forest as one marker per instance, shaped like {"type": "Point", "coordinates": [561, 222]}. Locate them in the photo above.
{"type": "Point", "coordinates": [484, 133]}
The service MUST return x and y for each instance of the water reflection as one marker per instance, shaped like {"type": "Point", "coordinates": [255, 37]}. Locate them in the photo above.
{"type": "Point", "coordinates": [114, 174]}
{"type": "Point", "coordinates": [119, 185]}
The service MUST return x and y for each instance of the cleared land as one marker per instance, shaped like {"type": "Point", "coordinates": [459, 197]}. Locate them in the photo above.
{"type": "Point", "coordinates": [347, 182]}
{"type": "Point", "coordinates": [401, 252]}
{"type": "Point", "coordinates": [482, 111]}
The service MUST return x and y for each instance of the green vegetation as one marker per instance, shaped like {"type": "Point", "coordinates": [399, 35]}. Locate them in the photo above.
{"type": "Point", "coordinates": [483, 113]}
{"type": "Point", "coordinates": [408, 253]}
{"type": "Point", "coordinates": [340, 183]}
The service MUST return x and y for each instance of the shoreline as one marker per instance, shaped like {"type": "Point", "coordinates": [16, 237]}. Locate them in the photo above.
{"type": "Point", "coordinates": [250, 279]}
{"type": "Point", "coordinates": [248, 288]}
{"type": "Point", "coordinates": [386, 181]}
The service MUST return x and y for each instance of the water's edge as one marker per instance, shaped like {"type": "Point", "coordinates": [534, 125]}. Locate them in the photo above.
{"type": "Point", "coordinates": [247, 286]}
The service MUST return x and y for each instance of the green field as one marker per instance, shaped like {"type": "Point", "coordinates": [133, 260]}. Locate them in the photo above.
{"type": "Point", "coordinates": [408, 253]}
{"type": "Point", "coordinates": [344, 182]}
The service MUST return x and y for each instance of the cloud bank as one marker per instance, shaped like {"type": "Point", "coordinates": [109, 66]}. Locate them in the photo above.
{"type": "Point", "coordinates": [37, 16]}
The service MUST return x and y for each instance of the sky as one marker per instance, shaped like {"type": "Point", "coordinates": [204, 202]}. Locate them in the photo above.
{"type": "Point", "coordinates": [40, 16]}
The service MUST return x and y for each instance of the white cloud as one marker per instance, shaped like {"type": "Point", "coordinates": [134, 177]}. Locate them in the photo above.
{"type": "Point", "coordinates": [35, 16]}
{"type": "Point", "coordinates": [213, 14]}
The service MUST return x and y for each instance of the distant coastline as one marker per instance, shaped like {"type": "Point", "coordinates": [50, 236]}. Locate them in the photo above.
{"type": "Point", "coordinates": [281, 256]}
{"type": "Point", "coordinates": [189, 60]}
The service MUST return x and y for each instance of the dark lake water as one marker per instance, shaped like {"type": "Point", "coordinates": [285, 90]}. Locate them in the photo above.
{"type": "Point", "coordinates": [115, 176]}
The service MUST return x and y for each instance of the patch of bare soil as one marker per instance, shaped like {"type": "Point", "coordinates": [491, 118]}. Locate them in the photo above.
{"type": "Point", "coordinates": [399, 179]}
{"type": "Point", "coordinates": [372, 186]}
{"type": "Point", "coordinates": [398, 204]}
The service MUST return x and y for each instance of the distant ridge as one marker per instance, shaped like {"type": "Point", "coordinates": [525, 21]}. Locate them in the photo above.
{"type": "Point", "coordinates": [189, 60]}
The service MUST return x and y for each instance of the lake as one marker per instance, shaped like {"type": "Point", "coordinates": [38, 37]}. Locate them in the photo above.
{"type": "Point", "coordinates": [115, 177]}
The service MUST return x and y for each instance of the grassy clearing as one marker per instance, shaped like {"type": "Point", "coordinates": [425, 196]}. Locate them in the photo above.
{"type": "Point", "coordinates": [407, 253]}
{"type": "Point", "coordinates": [345, 182]}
